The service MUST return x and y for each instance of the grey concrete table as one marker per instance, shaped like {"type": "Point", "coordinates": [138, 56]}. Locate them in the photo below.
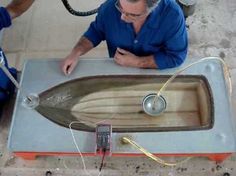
{"type": "Point", "coordinates": [31, 134]}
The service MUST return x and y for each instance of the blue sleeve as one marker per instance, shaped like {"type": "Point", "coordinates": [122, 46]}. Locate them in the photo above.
{"type": "Point", "coordinates": [95, 32]}
{"type": "Point", "coordinates": [5, 19]}
{"type": "Point", "coordinates": [176, 43]}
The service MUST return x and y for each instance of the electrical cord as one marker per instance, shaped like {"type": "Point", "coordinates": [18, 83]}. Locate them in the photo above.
{"type": "Point", "coordinates": [77, 147]}
{"type": "Point", "coordinates": [103, 157]}
{"type": "Point", "coordinates": [225, 68]}
{"type": "Point", "coordinates": [150, 155]}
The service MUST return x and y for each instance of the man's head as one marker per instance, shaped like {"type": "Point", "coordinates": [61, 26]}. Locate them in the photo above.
{"type": "Point", "coordinates": [132, 10]}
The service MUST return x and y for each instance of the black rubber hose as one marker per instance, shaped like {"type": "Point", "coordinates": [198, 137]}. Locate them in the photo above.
{"type": "Point", "coordinates": [78, 13]}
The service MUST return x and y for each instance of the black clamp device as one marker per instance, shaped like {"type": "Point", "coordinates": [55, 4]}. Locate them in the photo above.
{"type": "Point", "coordinates": [103, 139]}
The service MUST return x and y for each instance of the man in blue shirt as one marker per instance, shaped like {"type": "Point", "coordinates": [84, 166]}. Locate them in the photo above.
{"type": "Point", "coordinates": [139, 33]}
{"type": "Point", "coordinates": [13, 10]}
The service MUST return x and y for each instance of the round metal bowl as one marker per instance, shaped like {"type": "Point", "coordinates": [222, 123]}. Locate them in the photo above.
{"type": "Point", "coordinates": [154, 109]}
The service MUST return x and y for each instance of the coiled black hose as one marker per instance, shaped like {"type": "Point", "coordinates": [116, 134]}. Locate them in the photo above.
{"type": "Point", "coordinates": [78, 13]}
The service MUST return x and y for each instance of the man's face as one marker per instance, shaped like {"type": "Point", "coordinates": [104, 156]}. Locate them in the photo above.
{"type": "Point", "coordinates": [132, 11]}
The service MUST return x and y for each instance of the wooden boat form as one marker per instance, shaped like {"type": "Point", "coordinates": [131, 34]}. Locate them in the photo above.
{"type": "Point", "coordinates": [117, 100]}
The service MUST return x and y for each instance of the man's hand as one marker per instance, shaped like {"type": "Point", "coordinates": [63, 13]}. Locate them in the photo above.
{"type": "Point", "coordinates": [126, 58]}
{"type": "Point", "coordinates": [17, 7]}
{"type": "Point", "coordinates": [69, 63]}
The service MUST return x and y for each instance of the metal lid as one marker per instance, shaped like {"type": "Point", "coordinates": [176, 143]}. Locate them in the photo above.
{"type": "Point", "coordinates": [151, 108]}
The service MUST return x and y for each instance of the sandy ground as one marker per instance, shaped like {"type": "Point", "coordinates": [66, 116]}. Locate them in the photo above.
{"type": "Point", "coordinates": [39, 34]}
{"type": "Point", "coordinates": [213, 30]}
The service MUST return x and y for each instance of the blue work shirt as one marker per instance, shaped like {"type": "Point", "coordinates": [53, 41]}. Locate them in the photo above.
{"type": "Point", "coordinates": [163, 34]}
{"type": "Point", "coordinates": [5, 21]}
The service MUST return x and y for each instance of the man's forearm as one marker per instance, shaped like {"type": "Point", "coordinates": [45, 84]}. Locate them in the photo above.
{"type": "Point", "coordinates": [147, 62]}
{"type": "Point", "coordinates": [17, 7]}
{"type": "Point", "coordinates": [82, 47]}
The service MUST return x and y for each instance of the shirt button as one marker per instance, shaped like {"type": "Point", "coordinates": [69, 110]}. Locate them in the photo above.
{"type": "Point", "coordinates": [135, 41]}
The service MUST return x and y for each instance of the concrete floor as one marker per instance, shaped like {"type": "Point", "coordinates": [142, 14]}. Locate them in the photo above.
{"type": "Point", "coordinates": [48, 31]}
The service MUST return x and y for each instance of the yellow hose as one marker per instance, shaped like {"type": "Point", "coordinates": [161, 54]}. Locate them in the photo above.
{"type": "Point", "coordinates": [150, 155]}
